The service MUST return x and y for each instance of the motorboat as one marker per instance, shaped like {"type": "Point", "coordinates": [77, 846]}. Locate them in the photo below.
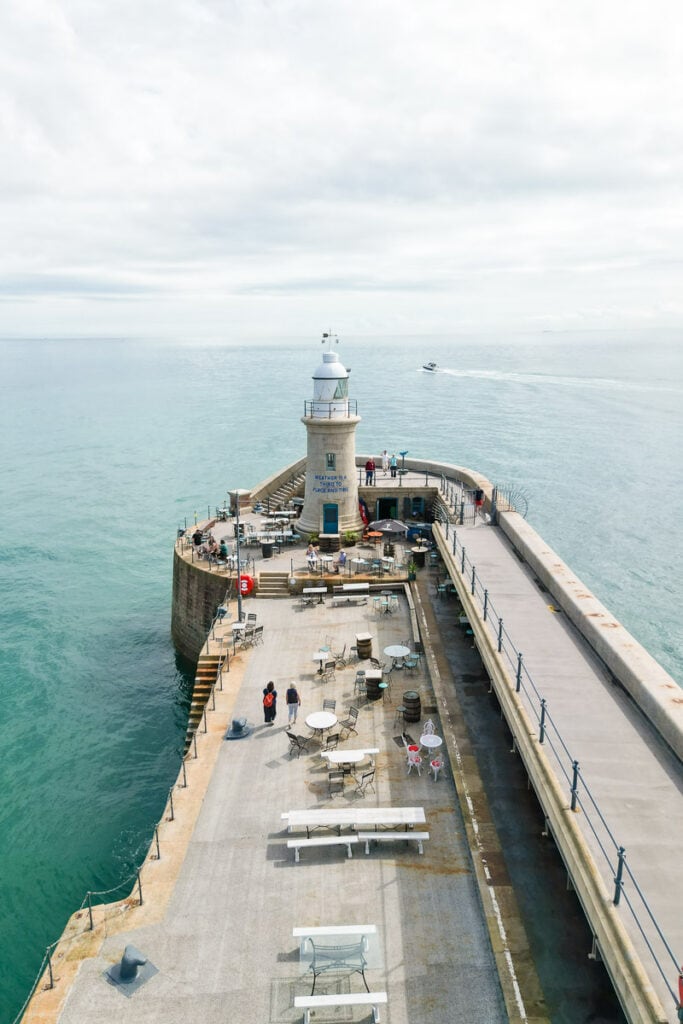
{"type": "Point", "coordinates": [430, 366]}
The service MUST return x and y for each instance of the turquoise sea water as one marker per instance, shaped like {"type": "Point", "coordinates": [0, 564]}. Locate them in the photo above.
{"type": "Point", "coordinates": [108, 446]}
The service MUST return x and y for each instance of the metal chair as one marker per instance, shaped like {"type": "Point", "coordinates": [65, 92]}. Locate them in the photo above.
{"type": "Point", "coordinates": [400, 716]}
{"type": "Point", "coordinates": [251, 618]}
{"type": "Point", "coordinates": [297, 743]}
{"type": "Point", "coordinates": [339, 657]}
{"type": "Point", "coordinates": [411, 663]}
{"type": "Point", "coordinates": [329, 705]}
{"type": "Point", "coordinates": [359, 684]}
{"type": "Point", "coordinates": [330, 743]}
{"type": "Point", "coordinates": [428, 728]}
{"type": "Point", "coordinates": [328, 671]}
{"type": "Point", "coordinates": [414, 761]}
{"type": "Point", "coordinates": [335, 782]}
{"type": "Point", "coordinates": [435, 766]}
{"type": "Point", "coordinates": [349, 723]}
{"type": "Point", "coordinates": [366, 781]}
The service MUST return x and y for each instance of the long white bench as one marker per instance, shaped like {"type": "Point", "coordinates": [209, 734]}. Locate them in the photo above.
{"type": "Point", "coordinates": [348, 592]}
{"type": "Point", "coordinates": [385, 837]}
{"type": "Point", "coordinates": [347, 841]}
{"type": "Point", "coordinates": [308, 1003]}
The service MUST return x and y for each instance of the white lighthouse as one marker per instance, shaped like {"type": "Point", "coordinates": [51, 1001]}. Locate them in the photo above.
{"type": "Point", "coordinates": [331, 495]}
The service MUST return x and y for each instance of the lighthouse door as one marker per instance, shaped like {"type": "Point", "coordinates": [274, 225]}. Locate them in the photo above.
{"type": "Point", "coordinates": [330, 518]}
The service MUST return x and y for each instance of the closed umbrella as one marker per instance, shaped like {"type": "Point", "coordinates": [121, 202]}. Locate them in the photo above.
{"type": "Point", "coordinates": [389, 526]}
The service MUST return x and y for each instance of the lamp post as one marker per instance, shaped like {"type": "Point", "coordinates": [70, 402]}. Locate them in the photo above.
{"type": "Point", "coordinates": [237, 495]}
{"type": "Point", "coordinates": [402, 470]}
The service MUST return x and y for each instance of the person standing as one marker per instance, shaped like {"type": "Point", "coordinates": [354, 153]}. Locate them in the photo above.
{"type": "Point", "coordinates": [269, 704]}
{"type": "Point", "coordinates": [369, 471]}
{"type": "Point", "coordinates": [293, 703]}
{"type": "Point", "coordinates": [393, 464]}
{"type": "Point", "coordinates": [385, 462]}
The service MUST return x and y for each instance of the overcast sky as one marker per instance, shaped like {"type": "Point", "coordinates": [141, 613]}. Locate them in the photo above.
{"type": "Point", "coordinates": [199, 168]}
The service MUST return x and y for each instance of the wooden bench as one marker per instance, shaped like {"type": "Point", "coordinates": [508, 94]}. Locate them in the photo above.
{"type": "Point", "coordinates": [347, 841]}
{"type": "Point", "coordinates": [385, 837]}
{"type": "Point", "coordinates": [308, 1003]}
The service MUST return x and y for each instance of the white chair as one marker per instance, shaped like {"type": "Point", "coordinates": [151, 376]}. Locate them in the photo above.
{"type": "Point", "coordinates": [436, 765]}
{"type": "Point", "coordinates": [414, 761]}
{"type": "Point", "coordinates": [428, 728]}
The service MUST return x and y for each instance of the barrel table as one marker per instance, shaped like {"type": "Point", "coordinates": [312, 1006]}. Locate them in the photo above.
{"type": "Point", "coordinates": [411, 702]}
{"type": "Point", "coordinates": [364, 645]}
{"type": "Point", "coordinates": [373, 677]}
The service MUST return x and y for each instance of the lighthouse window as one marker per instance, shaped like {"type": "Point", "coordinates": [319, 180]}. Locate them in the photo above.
{"type": "Point", "coordinates": [331, 461]}
{"type": "Point", "coordinates": [342, 389]}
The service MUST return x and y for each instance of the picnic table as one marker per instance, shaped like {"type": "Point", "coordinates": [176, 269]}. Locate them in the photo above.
{"type": "Point", "coordinates": [354, 817]}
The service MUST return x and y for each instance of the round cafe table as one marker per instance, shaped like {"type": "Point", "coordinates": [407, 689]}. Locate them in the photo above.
{"type": "Point", "coordinates": [431, 742]}
{"type": "Point", "coordinates": [320, 657]}
{"type": "Point", "coordinates": [397, 652]}
{"type": "Point", "coordinates": [319, 721]}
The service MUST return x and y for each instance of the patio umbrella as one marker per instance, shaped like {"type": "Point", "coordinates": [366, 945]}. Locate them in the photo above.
{"type": "Point", "coordinates": [389, 526]}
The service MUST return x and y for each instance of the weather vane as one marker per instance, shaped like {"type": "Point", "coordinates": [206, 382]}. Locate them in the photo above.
{"type": "Point", "coordinates": [331, 338]}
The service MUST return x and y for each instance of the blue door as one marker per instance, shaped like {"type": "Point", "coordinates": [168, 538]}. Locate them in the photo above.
{"type": "Point", "coordinates": [330, 518]}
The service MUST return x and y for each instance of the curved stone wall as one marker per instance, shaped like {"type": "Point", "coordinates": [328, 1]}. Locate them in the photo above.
{"type": "Point", "coordinates": [196, 595]}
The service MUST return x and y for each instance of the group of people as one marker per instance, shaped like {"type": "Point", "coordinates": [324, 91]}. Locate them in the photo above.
{"type": "Point", "coordinates": [209, 548]}
{"type": "Point", "coordinates": [292, 700]}
{"type": "Point", "coordinates": [312, 558]}
{"type": "Point", "coordinates": [389, 465]}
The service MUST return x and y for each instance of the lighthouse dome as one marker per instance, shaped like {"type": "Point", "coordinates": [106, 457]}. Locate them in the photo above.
{"type": "Point", "coordinates": [330, 368]}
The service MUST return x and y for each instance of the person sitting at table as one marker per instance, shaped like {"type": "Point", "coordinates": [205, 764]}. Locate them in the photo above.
{"type": "Point", "coordinates": [311, 556]}
{"type": "Point", "coordinates": [223, 550]}
{"type": "Point", "coordinates": [341, 561]}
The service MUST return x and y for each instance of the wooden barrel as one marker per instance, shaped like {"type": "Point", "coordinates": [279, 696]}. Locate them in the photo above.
{"type": "Point", "coordinates": [411, 702]}
{"type": "Point", "coordinates": [372, 689]}
{"type": "Point", "coordinates": [364, 645]}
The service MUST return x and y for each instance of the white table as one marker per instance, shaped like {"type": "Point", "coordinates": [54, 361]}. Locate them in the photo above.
{"type": "Point", "coordinates": [397, 652]}
{"type": "Point", "coordinates": [324, 561]}
{"type": "Point", "coordinates": [359, 563]}
{"type": "Point", "coordinates": [344, 756]}
{"type": "Point", "coordinates": [431, 742]}
{"type": "Point", "coordinates": [320, 657]}
{"type": "Point", "coordinates": [319, 721]}
{"type": "Point", "coordinates": [365, 817]}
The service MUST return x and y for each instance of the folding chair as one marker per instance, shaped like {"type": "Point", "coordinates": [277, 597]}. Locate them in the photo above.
{"type": "Point", "coordinates": [297, 743]}
{"type": "Point", "coordinates": [349, 723]}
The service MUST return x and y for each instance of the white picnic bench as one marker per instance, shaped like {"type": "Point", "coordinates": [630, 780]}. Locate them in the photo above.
{"type": "Point", "coordinates": [296, 844]}
{"type": "Point", "coordinates": [308, 1003]}
{"type": "Point", "coordinates": [354, 818]}
{"type": "Point", "coordinates": [388, 837]}
{"type": "Point", "coordinates": [348, 592]}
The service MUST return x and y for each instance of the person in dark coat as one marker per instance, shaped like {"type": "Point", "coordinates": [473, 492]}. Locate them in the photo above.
{"type": "Point", "coordinates": [269, 704]}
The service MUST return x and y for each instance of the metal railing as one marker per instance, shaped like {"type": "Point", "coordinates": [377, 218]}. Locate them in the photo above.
{"type": "Point", "coordinates": [580, 795]}
{"type": "Point", "coordinates": [134, 880]}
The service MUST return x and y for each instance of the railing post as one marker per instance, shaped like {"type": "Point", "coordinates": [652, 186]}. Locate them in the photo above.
{"type": "Point", "coordinates": [184, 775]}
{"type": "Point", "coordinates": [541, 731]}
{"type": "Point", "coordinates": [474, 580]}
{"type": "Point", "coordinates": [139, 886]}
{"type": "Point", "coordinates": [204, 719]}
{"type": "Point", "coordinates": [575, 783]}
{"type": "Point", "coordinates": [518, 680]}
{"type": "Point", "coordinates": [213, 696]}
{"type": "Point", "coordinates": [500, 635]}
{"type": "Point", "coordinates": [486, 604]}
{"type": "Point", "coordinates": [92, 926]}
{"type": "Point", "coordinates": [170, 800]}
{"type": "Point", "coordinates": [446, 528]}
{"type": "Point", "coordinates": [618, 884]}
{"type": "Point", "coordinates": [156, 840]}
{"type": "Point", "coordinates": [462, 512]}
{"type": "Point", "coordinates": [194, 742]}
{"type": "Point", "coordinates": [455, 543]}
{"type": "Point", "coordinates": [462, 562]}
{"type": "Point", "coordinates": [49, 967]}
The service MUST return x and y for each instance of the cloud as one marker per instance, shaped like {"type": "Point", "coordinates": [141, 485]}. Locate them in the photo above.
{"type": "Point", "coordinates": [188, 158]}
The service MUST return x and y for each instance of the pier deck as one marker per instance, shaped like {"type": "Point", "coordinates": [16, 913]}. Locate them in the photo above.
{"type": "Point", "coordinates": [223, 944]}
{"type": "Point", "coordinates": [632, 775]}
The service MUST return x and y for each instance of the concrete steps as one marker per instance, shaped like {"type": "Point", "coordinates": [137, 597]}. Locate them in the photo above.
{"type": "Point", "coordinates": [273, 584]}
{"type": "Point", "coordinates": [292, 488]}
{"type": "Point", "coordinates": [205, 676]}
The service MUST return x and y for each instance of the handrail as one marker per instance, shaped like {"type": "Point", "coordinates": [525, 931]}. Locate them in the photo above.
{"type": "Point", "coordinates": [135, 877]}
{"type": "Point", "coordinates": [549, 733]}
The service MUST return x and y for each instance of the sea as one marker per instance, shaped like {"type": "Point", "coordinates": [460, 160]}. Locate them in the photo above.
{"type": "Point", "coordinates": [109, 446]}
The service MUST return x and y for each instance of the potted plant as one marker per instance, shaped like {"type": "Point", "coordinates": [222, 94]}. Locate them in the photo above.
{"type": "Point", "coordinates": [350, 538]}
{"type": "Point", "coordinates": [412, 571]}
{"type": "Point", "coordinates": [313, 538]}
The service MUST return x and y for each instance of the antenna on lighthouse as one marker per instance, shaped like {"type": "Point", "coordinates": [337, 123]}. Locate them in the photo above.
{"type": "Point", "coordinates": [330, 338]}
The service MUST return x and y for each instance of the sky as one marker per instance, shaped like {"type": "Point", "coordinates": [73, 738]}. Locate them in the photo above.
{"type": "Point", "coordinates": [210, 168]}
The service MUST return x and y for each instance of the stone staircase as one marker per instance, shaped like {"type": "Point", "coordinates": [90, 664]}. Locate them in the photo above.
{"type": "Point", "coordinates": [205, 677]}
{"type": "Point", "coordinates": [273, 584]}
{"type": "Point", "coordinates": [292, 488]}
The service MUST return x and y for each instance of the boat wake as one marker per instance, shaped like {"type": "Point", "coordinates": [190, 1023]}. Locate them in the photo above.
{"type": "Point", "coordinates": [543, 379]}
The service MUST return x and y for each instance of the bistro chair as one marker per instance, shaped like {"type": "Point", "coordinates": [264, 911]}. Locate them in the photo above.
{"type": "Point", "coordinates": [359, 684]}
{"type": "Point", "coordinates": [328, 672]}
{"type": "Point", "coordinates": [329, 705]}
{"type": "Point", "coordinates": [414, 761]}
{"type": "Point", "coordinates": [331, 742]}
{"type": "Point", "coordinates": [428, 728]}
{"type": "Point", "coordinates": [335, 782]}
{"type": "Point", "coordinates": [297, 743]}
{"type": "Point", "coordinates": [366, 781]}
{"type": "Point", "coordinates": [349, 723]}
{"type": "Point", "coordinates": [435, 766]}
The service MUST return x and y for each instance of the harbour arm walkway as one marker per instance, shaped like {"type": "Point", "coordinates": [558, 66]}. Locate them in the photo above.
{"type": "Point", "coordinates": [626, 775]}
